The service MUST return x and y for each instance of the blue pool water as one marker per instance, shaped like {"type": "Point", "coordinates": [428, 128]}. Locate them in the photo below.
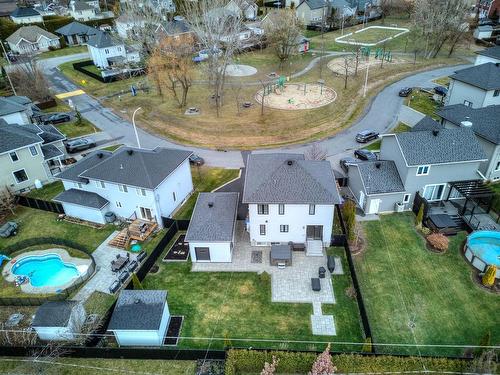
{"type": "Point", "coordinates": [486, 246]}
{"type": "Point", "coordinates": [45, 270]}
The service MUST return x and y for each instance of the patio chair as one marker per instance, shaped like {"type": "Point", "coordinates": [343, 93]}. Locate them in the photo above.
{"type": "Point", "coordinates": [142, 255]}
{"type": "Point", "coordinates": [132, 266]}
{"type": "Point", "coordinates": [124, 276]}
{"type": "Point", "coordinates": [321, 272]}
{"type": "Point", "coordinates": [113, 288]}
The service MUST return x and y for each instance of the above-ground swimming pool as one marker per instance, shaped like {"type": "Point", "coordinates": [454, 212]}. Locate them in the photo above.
{"type": "Point", "coordinates": [45, 270]}
{"type": "Point", "coordinates": [483, 248]}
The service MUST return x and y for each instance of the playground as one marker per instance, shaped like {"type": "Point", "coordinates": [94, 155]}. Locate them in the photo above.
{"type": "Point", "coordinates": [372, 35]}
{"type": "Point", "coordinates": [296, 96]}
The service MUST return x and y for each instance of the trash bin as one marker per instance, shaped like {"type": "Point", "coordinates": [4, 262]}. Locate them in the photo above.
{"type": "Point", "coordinates": [331, 263]}
{"type": "Point", "coordinates": [321, 272]}
{"type": "Point", "coordinates": [110, 217]}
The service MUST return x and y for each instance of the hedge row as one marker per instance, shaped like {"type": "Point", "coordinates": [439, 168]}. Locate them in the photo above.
{"type": "Point", "coordinates": [250, 361]}
{"type": "Point", "coordinates": [23, 244]}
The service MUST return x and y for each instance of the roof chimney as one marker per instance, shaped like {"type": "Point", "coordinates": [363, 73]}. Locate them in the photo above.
{"type": "Point", "coordinates": [210, 204]}
{"type": "Point", "coordinates": [435, 132]}
{"type": "Point", "coordinates": [289, 162]}
{"type": "Point", "coordinates": [466, 124]}
{"type": "Point", "coordinates": [130, 152]}
{"type": "Point", "coordinates": [100, 155]}
{"type": "Point", "coordinates": [378, 165]}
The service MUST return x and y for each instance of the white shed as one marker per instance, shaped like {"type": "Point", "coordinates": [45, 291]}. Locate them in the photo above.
{"type": "Point", "coordinates": [59, 321]}
{"type": "Point", "coordinates": [84, 205]}
{"type": "Point", "coordinates": [140, 318]}
{"type": "Point", "coordinates": [211, 230]}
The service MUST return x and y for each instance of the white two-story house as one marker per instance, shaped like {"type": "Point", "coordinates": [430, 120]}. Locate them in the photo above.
{"type": "Point", "coordinates": [476, 87]}
{"type": "Point", "coordinates": [131, 183]}
{"type": "Point", "coordinates": [107, 50]}
{"type": "Point", "coordinates": [289, 199]}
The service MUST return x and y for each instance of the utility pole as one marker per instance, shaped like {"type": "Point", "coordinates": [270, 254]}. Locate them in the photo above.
{"type": "Point", "coordinates": [6, 72]}
{"type": "Point", "coordinates": [366, 77]}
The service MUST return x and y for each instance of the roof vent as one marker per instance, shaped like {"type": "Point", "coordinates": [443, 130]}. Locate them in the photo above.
{"type": "Point", "coordinates": [435, 132]}
{"type": "Point", "coordinates": [210, 204]}
{"type": "Point", "coordinates": [497, 64]}
{"type": "Point", "coordinates": [289, 162]}
{"type": "Point", "coordinates": [137, 301]}
{"type": "Point", "coordinates": [130, 152]}
{"type": "Point", "coordinates": [100, 155]}
{"type": "Point", "coordinates": [178, 18]}
{"type": "Point", "coordinates": [121, 166]}
{"type": "Point", "coordinates": [378, 165]}
{"type": "Point", "coordinates": [466, 124]}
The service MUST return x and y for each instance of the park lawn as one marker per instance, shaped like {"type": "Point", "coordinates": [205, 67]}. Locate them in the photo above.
{"type": "Point", "coordinates": [371, 35]}
{"type": "Point", "coordinates": [423, 102]}
{"type": "Point", "coordinates": [86, 366]}
{"type": "Point", "coordinates": [73, 130]}
{"type": "Point", "coordinates": [62, 52]}
{"type": "Point", "coordinates": [205, 179]}
{"type": "Point", "coordinates": [48, 191]}
{"type": "Point", "coordinates": [402, 281]}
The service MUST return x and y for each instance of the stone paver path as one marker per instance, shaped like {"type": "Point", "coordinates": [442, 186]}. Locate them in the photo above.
{"type": "Point", "coordinates": [323, 325]}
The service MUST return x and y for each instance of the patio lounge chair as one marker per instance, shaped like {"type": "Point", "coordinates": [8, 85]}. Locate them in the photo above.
{"type": "Point", "coordinates": [321, 272]}
{"type": "Point", "coordinates": [315, 284]}
{"type": "Point", "coordinates": [132, 266]}
{"type": "Point", "coordinates": [141, 256]}
{"type": "Point", "coordinates": [124, 276]}
{"type": "Point", "coordinates": [113, 288]}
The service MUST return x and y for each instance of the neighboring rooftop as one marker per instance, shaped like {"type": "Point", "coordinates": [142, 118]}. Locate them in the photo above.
{"type": "Point", "coordinates": [24, 12]}
{"type": "Point", "coordinates": [485, 76]}
{"type": "Point", "coordinates": [427, 123]}
{"type": "Point", "coordinates": [81, 198]}
{"type": "Point", "coordinates": [485, 121]}
{"type": "Point", "coordinates": [314, 4]}
{"type": "Point", "coordinates": [30, 34]}
{"type": "Point", "coordinates": [440, 146]}
{"type": "Point", "coordinates": [140, 310]}
{"type": "Point", "coordinates": [289, 178]}
{"type": "Point", "coordinates": [103, 39]}
{"type": "Point", "coordinates": [51, 152]}
{"type": "Point", "coordinates": [12, 104]}
{"type": "Point", "coordinates": [493, 52]}
{"type": "Point", "coordinates": [77, 28]}
{"type": "Point", "coordinates": [13, 137]}
{"type": "Point", "coordinates": [89, 161]}
{"type": "Point", "coordinates": [54, 314]}
{"type": "Point", "coordinates": [213, 218]}
{"type": "Point", "coordinates": [380, 177]}
{"type": "Point", "coordinates": [177, 26]}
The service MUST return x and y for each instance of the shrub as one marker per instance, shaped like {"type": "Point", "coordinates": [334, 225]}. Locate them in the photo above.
{"type": "Point", "coordinates": [349, 214]}
{"type": "Point", "coordinates": [420, 216]}
{"type": "Point", "coordinates": [489, 276]}
{"type": "Point", "coordinates": [438, 241]}
{"type": "Point", "coordinates": [425, 231]}
{"type": "Point", "coordinates": [265, 278]}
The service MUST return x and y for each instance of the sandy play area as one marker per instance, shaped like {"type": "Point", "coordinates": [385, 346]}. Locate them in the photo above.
{"type": "Point", "coordinates": [338, 66]}
{"type": "Point", "coordinates": [239, 70]}
{"type": "Point", "coordinates": [294, 96]}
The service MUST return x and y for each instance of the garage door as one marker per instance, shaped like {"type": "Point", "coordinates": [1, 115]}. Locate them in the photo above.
{"type": "Point", "coordinates": [202, 253]}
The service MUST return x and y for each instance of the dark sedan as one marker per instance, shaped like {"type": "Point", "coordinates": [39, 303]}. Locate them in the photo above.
{"type": "Point", "coordinates": [365, 154]}
{"type": "Point", "coordinates": [79, 144]}
{"type": "Point", "coordinates": [196, 160]}
{"type": "Point", "coordinates": [405, 91]}
{"type": "Point", "coordinates": [440, 90]}
{"type": "Point", "coordinates": [57, 118]}
{"type": "Point", "coordinates": [366, 136]}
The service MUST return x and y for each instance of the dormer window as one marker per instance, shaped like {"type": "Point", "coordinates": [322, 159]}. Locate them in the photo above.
{"type": "Point", "coordinates": [423, 170]}
{"type": "Point", "coordinates": [100, 184]}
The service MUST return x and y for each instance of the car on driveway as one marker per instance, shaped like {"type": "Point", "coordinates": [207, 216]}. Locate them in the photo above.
{"type": "Point", "coordinates": [196, 160]}
{"type": "Point", "coordinates": [405, 91]}
{"type": "Point", "coordinates": [363, 154]}
{"type": "Point", "coordinates": [57, 118]}
{"type": "Point", "coordinates": [8, 229]}
{"type": "Point", "coordinates": [345, 162]}
{"type": "Point", "coordinates": [366, 136]}
{"type": "Point", "coordinates": [441, 90]}
{"type": "Point", "coordinates": [79, 144]}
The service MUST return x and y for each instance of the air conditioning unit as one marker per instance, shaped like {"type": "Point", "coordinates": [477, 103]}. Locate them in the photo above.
{"type": "Point", "coordinates": [400, 207]}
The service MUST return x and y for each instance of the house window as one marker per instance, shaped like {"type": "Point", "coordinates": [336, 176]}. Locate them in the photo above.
{"type": "Point", "coordinates": [119, 48]}
{"type": "Point", "coordinates": [20, 176]}
{"type": "Point", "coordinates": [423, 170]}
{"type": "Point", "coordinates": [312, 209]}
{"type": "Point", "coordinates": [100, 184]}
{"type": "Point", "coordinates": [262, 229]}
{"type": "Point", "coordinates": [80, 186]}
{"type": "Point", "coordinates": [496, 93]}
{"type": "Point", "coordinates": [33, 151]}
{"type": "Point", "coordinates": [434, 192]}
{"type": "Point", "coordinates": [406, 198]}
{"type": "Point", "coordinates": [13, 156]}
{"type": "Point", "coordinates": [467, 103]}
{"type": "Point", "coordinates": [173, 195]}
{"type": "Point", "coordinates": [497, 167]}
{"type": "Point", "coordinates": [106, 51]}
{"type": "Point", "coordinates": [123, 188]}
{"type": "Point", "coordinates": [284, 228]}
{"type": "Point", "coordinates": [281, 209]}
{"type": "Point", "coordinates": [141, 192]}
{"type": "Point", "coordinates": [118, 204]}
{"type": "Point", "coordinates": [263, 209]}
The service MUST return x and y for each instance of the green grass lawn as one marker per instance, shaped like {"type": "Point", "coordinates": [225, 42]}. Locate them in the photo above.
{"type": "Point", "coordinates": [401, 281]}
{"type": "Point", "coordinates": [62, 52]}
{"type": "Point", "coordinates": [422, 101]}
{"type": "Point", "coordinates": [48, 191]}
{"type": "Point", "coordinates": [112, 147]}
{"type": "Point", "coordinates": [86, 366]}
{"type": "Point", "coordinates": [72, 129]}
{"type": "Point", "coordinates": [370, 35]}
{"type": "Point", "coordinates": [205, 179]}
{"type": "Point", "coordinates": [443, 81]}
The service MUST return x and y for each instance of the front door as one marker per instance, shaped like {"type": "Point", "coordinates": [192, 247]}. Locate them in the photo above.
{"type": "Point", "coordinates": [202, 253]}
{"type": "Point", "coordinates": [374, 206]}
{"type": "Point", "coordinates": [146, 213]}
{"type": "Point", "coordinates": [314, 232]}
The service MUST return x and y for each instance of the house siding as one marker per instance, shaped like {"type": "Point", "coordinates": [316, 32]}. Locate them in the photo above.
{"type": "Point", "coordinates": [390, 151]}
{"type": "Point", "coordinates": [460, 92]}
{"type": "Point", "coordinates": [20, 118]}
{"type": "Point", "coordinates": [307, 15]}
{"type": "Point", "coordinates": [100, 57]}
{"type": "Point", "coordinates": [220, 252]}
{"type": "Point", "coordinates": [27, 20]}
{"type": "Point", "coordinates": [86, 213]}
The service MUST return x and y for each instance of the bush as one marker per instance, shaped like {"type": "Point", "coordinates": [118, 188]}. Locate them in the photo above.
{"type": "Point", "coordinates": [420, 216]}
{"type": "Point", "coordinates": [349, 214]}
{"type": "Point", "coordinates": [265, 278]}
{"type": "Point", "coordinates": [438, 241]}
{"type": "Point", "coordinates": [489, 276]}
{"type": "Point", "coordinates": [425, 231]}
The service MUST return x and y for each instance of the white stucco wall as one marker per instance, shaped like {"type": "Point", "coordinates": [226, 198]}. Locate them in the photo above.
{"type": "Point", "coordinates": [85, 213]}
{"type": "Point", "coordinates": [20, 118]}
{"type": "Point", "coordinates": [219, 251]}
{"type": "Point", "coordinates": [480, 59]}
{"type": "Point", "coordinates": [100, 55]}
{"type": "Point", "coordinates": [27, 20]}
{"type": "Point", "coordinates": [296, 217]}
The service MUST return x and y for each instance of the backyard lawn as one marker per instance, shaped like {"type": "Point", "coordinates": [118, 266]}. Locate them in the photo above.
{"type": "Point", "coordinates": [62, 52]}
{"type": "Point", "coordinates": [72, 129]}
{"type": "Point", "coordinates": [422, 101]}
{"type": "Point", "coordinates": [205, 179]}
{"type": "Point", "coordinates": [402, 282]}
{"type": "Point", "coordinates": [48, 191]}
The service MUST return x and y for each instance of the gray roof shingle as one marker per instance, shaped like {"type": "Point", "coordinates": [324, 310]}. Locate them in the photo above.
{"type": "Point", "coordinates": [485, 76]}
{"type": "Point", "coordinates": [485, 121]}
{"type": "Point", "coordinates": [77, 28]}
{"type": "Point", "coordinates": [103, 39]}
{"type": "Point", "coordinates": [24, 12]}
{"type": "Point", "coordinates": [437, 147]}
{"type": "Point", "coordinates": [493, 52]}
{"type": "Point", "coordinates": [29, 33]}
{"type": "Point", "coordinates": [380, 177]}
{"type": "Point", "coordinates": [89, 161]}
{"type": "Point", "coordinates": [51, 152]}
{"type": "Point", "coordinates": [288, 178]}
{"type": "Point", "coordinates": [81, 198]}
{"type": "Point", "coordinates": [138, 167]}
{"type": "Point", "coordinates": [13, 137]}
{"type": "Point", "coordinates": [213, 218]}
{"type": "Point", "coordinates": [314, 4]}
{"type": "Point", "coordinates": [10, 105]}
{"type": "Point", "coordinates": [138, 310]}
{"type": "Point", "coordinates": [427, 123]}
{"type": "Point", "coordinates": [54, 314]}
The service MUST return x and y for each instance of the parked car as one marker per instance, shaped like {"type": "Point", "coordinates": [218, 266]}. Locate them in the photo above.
{"type": "Point", "coordinates": [344, 163]}
{"type": "Point", "coordinates": [196, 160]}
{"type": "Point", "coordinates": [8, 229]}
{"type": "Point", "coordinates": [441, 90]}
{"type": "Point", "coordinates": [366, 136]}
{"type": "Point", "coordinates": [79, 144]}
{"type": "Point", "coordinates": [405, 91]}
{"type": "Point", "coordinates": [57, 118]}
{"type": "Point", "coordinates": [365, 154]}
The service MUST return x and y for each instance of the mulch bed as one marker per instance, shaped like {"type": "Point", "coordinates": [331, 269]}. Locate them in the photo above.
{"type": "Point", "coordinates": [179, 252]}
{"type": "Point", "coordinates": [256, 257]}
{"type": "Point", "coordinates": [173, 331]}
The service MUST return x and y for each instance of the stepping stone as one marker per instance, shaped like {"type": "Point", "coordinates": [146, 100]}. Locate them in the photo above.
{"type": "Point", "coordinates": [323, 325]}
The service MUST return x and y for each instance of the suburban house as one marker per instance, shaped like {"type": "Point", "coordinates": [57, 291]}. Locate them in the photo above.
{"type": "Point", "coordinates": [126, 25]}
{"type": "Point", "coordinates": [107, 50]}
{"type": "Point", "coordinates": [488, 9]}
{"type": "Point", "coordinates": [76, 33]}
{"type": "Point", "coordinates": [176, 28]}
{"type": "Point", "coordinates": [312, 12]}
{"type": "Point", "coordinates": [140, 318]}
{"type": "Point", "coordinates": [26, 15]}
{"type": "Point", "coordinates": [476, 87]}
{"type": "Point", "coordinates": [244, 8]}
{"type": "Point", "coordinates": [87, 10]}
{"type": "Point", "coordinates": [59, 320]}
{"type": "Point", "coordinates": [130, 182]}
{"type": "Point", "coordinates": [485, 123]}
{"type": "Point", "coordinates": [424, 161]}
{"type": "Point", "coordinates": [29, 154]}
{"type": "Point", "coordinates": [211, 231]}
{"type": "Point", "coordinates": [32, 39]}
{"type": "Point", "coordinates": [16, 109]}
{"type": "Point", "coordinates": [290, 199]}
{"type": "Point", "coordinates": [483, 32]}
{"type": "Point", "coordinates": [159, 6]}
{"type": "Point", "coordinates": [487, 55]}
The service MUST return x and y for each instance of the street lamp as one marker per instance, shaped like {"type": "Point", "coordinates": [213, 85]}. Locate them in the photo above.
{"type": "Point", "coordinates": [6, 72]}
{"type": "Point", "coordinates": [366, 77]}
{"type": "Point", "coordinates": [135, 128]}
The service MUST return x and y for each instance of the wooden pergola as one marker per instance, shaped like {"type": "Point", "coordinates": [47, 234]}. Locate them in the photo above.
{"type": "Point", "coordinates": [472, 190]}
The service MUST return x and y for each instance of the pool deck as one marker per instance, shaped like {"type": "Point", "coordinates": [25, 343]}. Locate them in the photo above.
{"type": "Point", "coordinates": [81, 264]}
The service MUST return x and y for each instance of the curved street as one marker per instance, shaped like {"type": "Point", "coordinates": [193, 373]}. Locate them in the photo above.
{"type": "Point", "coordinates": [381, 115]}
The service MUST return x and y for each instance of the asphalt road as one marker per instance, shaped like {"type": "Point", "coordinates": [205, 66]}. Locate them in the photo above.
{"type": "Point", "coordinates": [381, 115]}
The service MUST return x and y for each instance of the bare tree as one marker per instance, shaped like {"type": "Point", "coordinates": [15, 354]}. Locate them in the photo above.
{"type": "Point", "coordinates": [8, 201]}
{"type": "Point", "coordinates": [316, 152]}
{"type": "Point", "coordinates": [236, 89]}
{"type": "Point", "coordinates": [347, 63]}
{"type": "Point", "coordinates": [28, 79]}
{"type": "Point", "coordinates": [283, 30]}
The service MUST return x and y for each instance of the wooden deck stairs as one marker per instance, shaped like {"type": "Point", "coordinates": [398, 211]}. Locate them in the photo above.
{"type": "Point", "coordinates": [121, 240]}
{"type": "Point", "coordinates": [140, 230]}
